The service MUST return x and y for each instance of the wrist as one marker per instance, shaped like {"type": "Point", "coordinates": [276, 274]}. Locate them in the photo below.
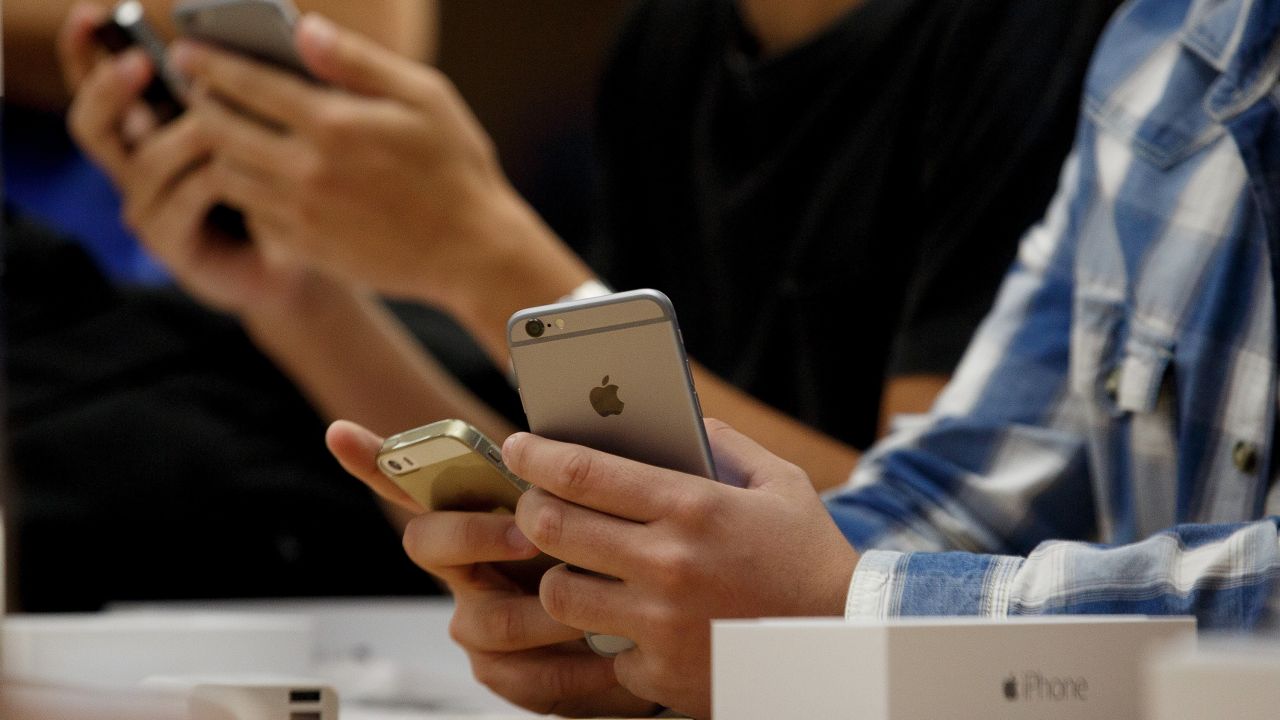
{"type": "Point", "coordinates": [527, 265]}
{"type": "Point", "coordinates": [838, 581]}
{"type": "Point", "coordinates": [313, 302]}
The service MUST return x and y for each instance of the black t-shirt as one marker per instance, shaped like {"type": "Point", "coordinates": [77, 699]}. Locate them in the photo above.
{"type": "Point", "coordinates": [154, 453]}
{"type": "Point", "coordinates": [844, 211]}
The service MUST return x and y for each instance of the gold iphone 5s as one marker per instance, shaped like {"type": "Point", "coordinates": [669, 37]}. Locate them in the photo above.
{"type": "Point", "coordinates": [450, 465]}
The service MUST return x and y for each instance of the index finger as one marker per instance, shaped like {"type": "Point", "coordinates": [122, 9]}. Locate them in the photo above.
{"type": "Point", "coordinates": [77, 51]}
{"type": "Point", "coordinates": [607, 483]}
{"type": "Point", "coordinates": [447, 538]}
{"type": "Point", "coordinates": [356, 449]}
{"type": "Point", "coordinates": [269, 93]}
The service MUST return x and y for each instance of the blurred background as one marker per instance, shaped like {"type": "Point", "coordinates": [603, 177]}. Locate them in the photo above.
{"type": "Point", "coordinates": [529, 70]}
{"type": "Point", "coordinates": [93, 524]}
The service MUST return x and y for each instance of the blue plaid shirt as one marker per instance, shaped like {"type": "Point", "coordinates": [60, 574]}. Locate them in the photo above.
{"type": "Point", "coordinates": [1106, 444]}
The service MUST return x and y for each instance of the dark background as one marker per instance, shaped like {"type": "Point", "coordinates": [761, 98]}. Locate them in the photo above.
{"type": "Point", "coordinates": [529, 70]}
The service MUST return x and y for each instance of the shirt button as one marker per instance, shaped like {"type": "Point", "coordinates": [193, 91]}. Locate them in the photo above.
{"type": "Point", "coordinates": [1245, 456]}
{"type": "Point", "coordinates": [1112, 385]}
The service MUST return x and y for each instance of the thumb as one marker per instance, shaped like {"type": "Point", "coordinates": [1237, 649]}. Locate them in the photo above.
{"type": "Point", "coordinates": [356, 449]}
{"type": "Point", "coordinates": [743, 462]}
{"type": "Point", "coordinates": [353, 62]}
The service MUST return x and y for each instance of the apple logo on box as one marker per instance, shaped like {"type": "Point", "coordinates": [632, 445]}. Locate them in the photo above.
{"type": "Point", "coordinates": [605, 399]}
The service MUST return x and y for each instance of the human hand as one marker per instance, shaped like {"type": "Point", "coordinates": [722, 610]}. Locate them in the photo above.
{"type": "Point", "coordinates": [383, 176]}
{"type": "Point", "coordinates": [164, 177]}
{"type": "Point", "coordinates": [684, 550]}
{"type": "Point", "coordinates": [515, 648]}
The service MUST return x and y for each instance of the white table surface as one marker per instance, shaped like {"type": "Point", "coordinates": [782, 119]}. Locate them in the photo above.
{"type": "Point", "coordinates": [390, 659]}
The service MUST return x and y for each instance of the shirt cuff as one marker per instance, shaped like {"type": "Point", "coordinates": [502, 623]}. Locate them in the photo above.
{"type": "Point", "coordinates": [891, 584]}
{"type": "Point", "coordinates": [869, 591]}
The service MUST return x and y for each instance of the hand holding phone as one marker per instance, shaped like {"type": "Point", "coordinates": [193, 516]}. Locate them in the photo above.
{"type": "Point", "coordinates": [261, 29]}
{"type": "Point", "coordinates": [611, 373]}
{"type": "Point", "coordinates": [450, 465]}
{"type": "Point", "coordinates": [127, 27]}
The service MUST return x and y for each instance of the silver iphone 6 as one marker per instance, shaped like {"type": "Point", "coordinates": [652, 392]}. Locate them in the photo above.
{"type": "Point", "coordinates": [611, 373]}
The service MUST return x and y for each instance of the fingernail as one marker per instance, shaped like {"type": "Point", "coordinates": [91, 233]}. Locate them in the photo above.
{"type": "Point", "coordinates": [511, 443]}
{"type": "Point", "coordinates": [518, 542]}
{"type": "Point", "coordinates": [321, 33]}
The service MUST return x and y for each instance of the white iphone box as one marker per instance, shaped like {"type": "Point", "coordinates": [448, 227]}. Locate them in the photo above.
{"type": "Point", "coordinates": [1049, 668]}
{"type": "Point", "coordinates": [1222, 679]}
{"type": "Point", "coordinates": [119, 650]}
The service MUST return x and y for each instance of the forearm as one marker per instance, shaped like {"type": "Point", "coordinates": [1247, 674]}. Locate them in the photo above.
{"type": "Point", "coordinates": [543, 278]}
{"type": "Point", "coordinates": [908, 395]}
{"type": "Point", "coordinates": [537, 268]}
{"type": "Point", "coordinates": [1224, 575]}
{"type": "Point", "coordinates": [528, 266]}
{"type": "Point", "coordinates": [353, 360]}
{"type": "Point", "coordinates": [827, 461]}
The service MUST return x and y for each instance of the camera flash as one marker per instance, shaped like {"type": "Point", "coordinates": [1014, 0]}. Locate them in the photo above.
{"type": "Point", "coordinates": [559, 323]}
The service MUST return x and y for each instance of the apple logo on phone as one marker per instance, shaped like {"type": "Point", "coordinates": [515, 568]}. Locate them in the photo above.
{"type": "Point", "coordinates": [605, 399]}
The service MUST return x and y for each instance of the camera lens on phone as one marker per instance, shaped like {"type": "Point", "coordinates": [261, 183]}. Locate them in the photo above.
{"type": "Point", "coordinates": [395, 465]}
{"type": "Point", "coordinates": [534, 328]}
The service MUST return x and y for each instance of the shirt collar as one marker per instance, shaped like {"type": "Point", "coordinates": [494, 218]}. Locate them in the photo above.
{"type": "Point", "coordinates": [1241, 40]}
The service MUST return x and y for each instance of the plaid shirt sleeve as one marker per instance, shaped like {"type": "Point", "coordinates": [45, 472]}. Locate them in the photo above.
{"type": "Point", "coordinates": [1225, 575]}
{"type": "Point", "coordinates": [962, 514]}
